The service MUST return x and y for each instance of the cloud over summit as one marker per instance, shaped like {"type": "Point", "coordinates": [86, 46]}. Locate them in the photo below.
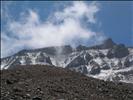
{"type": "Point", "coordinates": [62, 27]}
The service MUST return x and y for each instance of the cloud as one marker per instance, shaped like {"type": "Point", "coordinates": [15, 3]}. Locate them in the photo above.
{"type": "Point", "coordinates": [79, 10]}
{"type": "Point", "coordinates": [62, 27]}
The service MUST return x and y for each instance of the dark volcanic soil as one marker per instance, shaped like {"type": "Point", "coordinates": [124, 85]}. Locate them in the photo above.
{"type": "Point", "coordinates": [50, 83]}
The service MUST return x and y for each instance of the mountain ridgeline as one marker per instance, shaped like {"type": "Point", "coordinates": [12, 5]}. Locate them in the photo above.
{"type": "Point", "coordinates": [107, 61]}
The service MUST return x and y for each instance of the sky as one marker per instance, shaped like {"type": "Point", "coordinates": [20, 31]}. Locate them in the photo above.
{"type": "Point", "coordinates": [37, 24]}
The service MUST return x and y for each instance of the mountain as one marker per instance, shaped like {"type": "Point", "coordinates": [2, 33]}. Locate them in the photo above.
{"type": "Point", "coordinates": [108, 61]}
{"type": "Point", "coordinates": [41, 82]}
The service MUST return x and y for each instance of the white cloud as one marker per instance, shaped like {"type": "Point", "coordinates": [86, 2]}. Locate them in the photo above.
{"type": "Point", "coordinates": [79, 10]}
{"type": "Point", "coordinates": [63, 27]}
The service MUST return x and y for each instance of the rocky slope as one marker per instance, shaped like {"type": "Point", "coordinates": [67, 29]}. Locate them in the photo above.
{"type": "Point", "coordinates": [108, 61]}
{"type": "Point", "coordinates": [41, 82]}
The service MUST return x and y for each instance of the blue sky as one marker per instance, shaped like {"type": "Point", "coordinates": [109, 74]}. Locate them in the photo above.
{"type": "Point", "coordinates": [117, 21]}
{"type": "Point", "coordinates": [28, 24]}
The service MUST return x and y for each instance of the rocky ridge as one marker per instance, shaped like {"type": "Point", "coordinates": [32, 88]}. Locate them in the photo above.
{"type": "Point", "coordinates": [107, 61]}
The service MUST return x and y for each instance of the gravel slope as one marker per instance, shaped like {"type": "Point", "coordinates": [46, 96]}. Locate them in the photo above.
{"type": "Point", "coordinates": [40, 82]}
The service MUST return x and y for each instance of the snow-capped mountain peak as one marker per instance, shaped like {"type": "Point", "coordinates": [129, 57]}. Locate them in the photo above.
{"type": "Point", "coordinates": [107, 61]}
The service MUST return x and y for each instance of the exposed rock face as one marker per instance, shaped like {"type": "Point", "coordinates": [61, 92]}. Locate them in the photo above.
{"type": "Point", "coordinates": [81, 69]}
{"type": "Point", "coordinates": [88, 57]}
{"type": "Point", "coordinates": [48, 60]}
{"type": "Point", "coordinates": [42, 58]}
{"type": "Point", "coordinates": [80, 48]}
{"type": "Point", "coordinates": [101, 55]}
{"type": "Point", "coordinates": [118, 65]}
{"type": "Point", "coordinates": [104, 66]}
{"type": "Point", "coordinates": [28, 61]}
{"type": "Point", "coordinates": [108, 43]}
{"type": "Point", "coordinates": [127, 63]}
{"type": "Point", "coordinates": [77, 62]}
{"type": "Point", "coordinates": [16, 62]}
{"type": "Point", "coordinates": [118, 51]}
{"type": "Point", "coordinates": [95, 68]}
{"type": "Point", "coordinates": [110, 54]}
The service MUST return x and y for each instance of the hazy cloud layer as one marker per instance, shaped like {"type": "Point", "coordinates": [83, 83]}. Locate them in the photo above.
{"type": "Point", "coordinates": [62, 27]}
